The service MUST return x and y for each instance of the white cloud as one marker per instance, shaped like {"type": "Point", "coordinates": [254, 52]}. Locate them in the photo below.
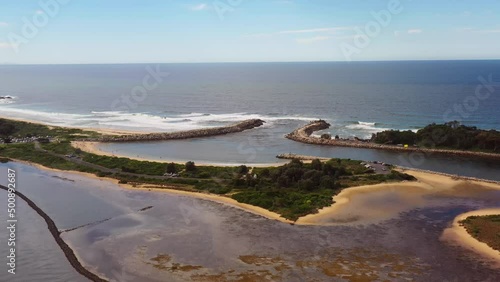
{"type": "Point", "coordinates": [311, 39]}
{"type": "Point", "coordinates": [199, 7]}
{"type": "Point", "coordinates": [329, 30]}
{"type": "Point", "coordinates": [5, 45]}
{"type": "Point", "coordinates": [3, 24]}
{"type": "Point", "coordinates": [397, 33]}
{"type": "Point", "coordinates": [415, 31]}
{"type": "Point", "coordinates": [316, 30]}
{"type": "Point", "coordinates": [39, 12]}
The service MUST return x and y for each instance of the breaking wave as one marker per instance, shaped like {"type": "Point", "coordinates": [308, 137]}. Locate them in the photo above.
{"type": "Point", "coordinates": [141, 121]}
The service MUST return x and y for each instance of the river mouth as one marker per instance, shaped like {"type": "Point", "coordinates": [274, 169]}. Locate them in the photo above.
{"type": "Point", "coordinates": [394, 237]}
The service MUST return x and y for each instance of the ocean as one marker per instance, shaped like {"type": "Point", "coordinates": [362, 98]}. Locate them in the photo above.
{"type": "Point", "coordinates": [357, 98]}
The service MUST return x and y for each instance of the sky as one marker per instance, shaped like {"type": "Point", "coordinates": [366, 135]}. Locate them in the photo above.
{"type": "Point", "coordinates": [174, 31]}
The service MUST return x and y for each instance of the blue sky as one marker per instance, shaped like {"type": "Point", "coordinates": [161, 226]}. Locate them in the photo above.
{"type": "Point", "coordinates": [149, 31]}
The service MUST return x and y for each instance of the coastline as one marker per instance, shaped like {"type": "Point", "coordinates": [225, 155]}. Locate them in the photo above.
{"type": "Point", "coordinates": [458, 235]}
{"type": "Point", "coordinates": [105, 131]}
{"type": "Point", "coordinates": [303, 135]}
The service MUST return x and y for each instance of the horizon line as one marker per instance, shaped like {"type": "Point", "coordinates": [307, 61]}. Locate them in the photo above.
{"type": "Point", "coordinates": [249, 62]}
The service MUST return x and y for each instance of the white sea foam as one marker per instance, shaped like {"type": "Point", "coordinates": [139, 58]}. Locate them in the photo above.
{"type": "Point", "coordinates": [366, 126]}
{"type": "Point", "coordinates": [9, 99]}
{"type": "Point", "coordinates": [140, 121]}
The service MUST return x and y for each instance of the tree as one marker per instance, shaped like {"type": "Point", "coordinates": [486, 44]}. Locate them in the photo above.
{"type": "Point", "coordinates": [171, 168]}
{"type": "Point", "coordinates": [327, 182]}
{"type": "Point", "coordinates": [328, 169]}
{"type": "Point", "coordinates": [307, 185]}
{"type": "Point", "coordinates": [295, 163]}
{"type": "Point", "coordinates": [6, 129]}
{"type": "Point", "coordinates": [316, 164]}
{"type": "Point", "coordinates": [283, 181]}
{"type": "Point", "coordinates": [190, 166]}
{"type": "Point", "coordinates": [242, 169]}
{"type": "Point", "coordinates": [294, 174]}
{"type": "Point", "coordinates": [265, 172]}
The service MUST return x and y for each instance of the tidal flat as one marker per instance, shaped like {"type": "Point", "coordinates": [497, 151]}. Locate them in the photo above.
{"type": "Point", "coordinates": [181, 238]}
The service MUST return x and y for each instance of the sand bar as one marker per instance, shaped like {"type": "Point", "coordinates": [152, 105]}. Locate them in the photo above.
{"type": "Point", "coordinates": [458, 235]}
{"type": "Point", "coordinates": [410, 196]}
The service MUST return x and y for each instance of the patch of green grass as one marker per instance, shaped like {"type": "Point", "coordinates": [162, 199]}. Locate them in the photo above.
{"type": "Point", "coordinates": [27, 152]}
{"type": "Point", "coordinates": [290, 204]}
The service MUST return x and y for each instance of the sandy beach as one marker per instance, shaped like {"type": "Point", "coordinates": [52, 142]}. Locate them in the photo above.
{"type": "Point", "coordinates": [410, 193]}
{"type": "Point", "coordinates": [458, 235]}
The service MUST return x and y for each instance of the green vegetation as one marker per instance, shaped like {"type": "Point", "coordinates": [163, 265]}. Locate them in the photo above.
{"type": "Point", "coordinates": [27, 152]}
{"type": "Point", "coordinates": [484, 228]}
{"type": "Point", "coordinates": [297, 189]}
{"type": "Point", "coordinates": [20, 129]}
{"type": "Point", "coordinates": [292, 190]}
{"type": "Point", "coordinates": [450, 135]}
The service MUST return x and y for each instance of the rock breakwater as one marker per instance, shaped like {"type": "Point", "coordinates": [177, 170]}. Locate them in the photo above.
{"type": "Point", "coordinates": [207, 132]}
{"type": "Point", "coordinates": [303, 135]}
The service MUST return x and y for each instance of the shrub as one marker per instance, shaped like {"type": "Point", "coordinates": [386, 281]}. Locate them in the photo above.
{"type": "Point", "coordinates": [190, 166]}
{"type": "Point", "coordinates": [171, 168]}
{"type": "Point", "coordinates": [316, 164]}
{"type": "Point", "coordinates": [265, 172]}
{"type": "Point", "coordinates": [242, 169]}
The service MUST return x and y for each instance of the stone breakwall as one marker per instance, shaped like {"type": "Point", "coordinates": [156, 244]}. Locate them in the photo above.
{"type": "Point", "coordinates": [289, 156]}
{"type": "Point", "coordinates": [303, 135]}
{"type": "Point", "coordinates": [68, 252]}
{"type": "Point", "coordinates": [234, 128]}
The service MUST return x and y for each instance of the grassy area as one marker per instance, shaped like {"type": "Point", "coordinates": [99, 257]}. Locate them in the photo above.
{"type": "Point", "coordinates": [27, 152]}
{"type": "Point", "coordinates": [20, 129]}
{"type": "Point", "coordinates": [484, 228]}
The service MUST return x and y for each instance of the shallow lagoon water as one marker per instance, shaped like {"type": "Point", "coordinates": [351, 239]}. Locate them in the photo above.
{"type": "Point", "coordinates": [261, 145]}
{"type": "Point", "coordinates": [182, 238]}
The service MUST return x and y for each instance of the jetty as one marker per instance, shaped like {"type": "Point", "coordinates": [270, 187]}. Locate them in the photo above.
{"type": "Point", "coordinates": [196, 133]}
{"type": "Point", "coordinates": [303, 135]}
